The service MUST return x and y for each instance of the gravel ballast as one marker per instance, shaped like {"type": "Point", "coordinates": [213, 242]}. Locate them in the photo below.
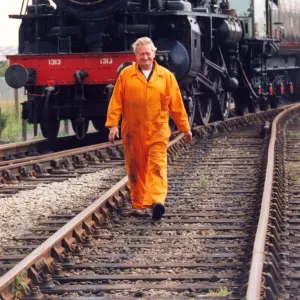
{"type": "Point", "coordinates": [24, 210]}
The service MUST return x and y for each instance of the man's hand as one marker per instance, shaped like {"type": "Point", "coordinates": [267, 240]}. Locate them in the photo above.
{"type": "Point", "coordinates": [113, 133]}
{"type": "Point", "coordinates": [188, 136]}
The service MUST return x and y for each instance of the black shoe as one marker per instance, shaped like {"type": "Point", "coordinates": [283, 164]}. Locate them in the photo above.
{"type": "Point", "coordinates": [138, 213]}
{"type": "Point", "coordinates": [157, 211]}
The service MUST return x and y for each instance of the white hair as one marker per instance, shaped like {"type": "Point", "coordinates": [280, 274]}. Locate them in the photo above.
{"type": "Point", "coordinates": [143, 41]}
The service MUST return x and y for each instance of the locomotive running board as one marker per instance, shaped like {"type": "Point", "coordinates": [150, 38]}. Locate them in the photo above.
{"type": "Point", "coordinates": [59, 69]}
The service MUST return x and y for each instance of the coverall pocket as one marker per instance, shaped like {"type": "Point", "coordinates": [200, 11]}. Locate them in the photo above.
{"type": "Point", "coordinates": [160, 132]}
{"type": "Point", "coordinates": [165, 100]}
{"type": "Point", "coordinates": [163, 116]}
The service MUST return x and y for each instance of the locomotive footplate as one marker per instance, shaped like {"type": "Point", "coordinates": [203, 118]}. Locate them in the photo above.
{"type": "Point", "coordinates": [59, 69]}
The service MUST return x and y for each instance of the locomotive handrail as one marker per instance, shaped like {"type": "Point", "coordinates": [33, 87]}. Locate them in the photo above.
{"type": "Point", "coordinates": [258, 254]}
{"type": "Point", "coordinates": [247, 81]}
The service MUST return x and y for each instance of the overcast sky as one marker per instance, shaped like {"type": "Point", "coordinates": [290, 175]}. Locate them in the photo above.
{"type": "Point", "coordinates": [9, 27]}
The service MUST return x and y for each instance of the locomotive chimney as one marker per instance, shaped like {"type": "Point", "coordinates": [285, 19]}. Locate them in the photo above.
{"type": "Point", "coordinates": [225, 8]}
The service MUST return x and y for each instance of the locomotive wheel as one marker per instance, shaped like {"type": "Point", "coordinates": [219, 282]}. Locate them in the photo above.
{"type": "Point", "coordinates": [50, 123]}
{"type": "Point", "coordinates": [252, 104]}
{"type": "Point", "coordinates": [99, 125]}
{"type": "Point", "coordinates": [240, 101]}
{"type": "Point", "coordinates": [221, 102]}
{"type": "Point", "coordinates": [240, 106]}
{"type": "Point", "coordinates": [191, 117]}
{"type": "Point", "coordinates": [204, 108]}
{"type": "Point", "coordinates": [263, 103]}
{"type": "Point", "coordinates": [273, 100]}
{"type": "Point", "coordinates": [192, 111]}
{"type": "Point", "coordinates": [210, 105]}
{"type": "Point", "coordinates": [222, 106]}
{"type": "Point", "coordinates": [190, 108]}
{"type": "Point", "coordinates": [50, 128]}
{"type": "Point", "coordinates": [80, 126]}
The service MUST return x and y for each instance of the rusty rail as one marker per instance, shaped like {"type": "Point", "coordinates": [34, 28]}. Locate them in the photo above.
{"type": "Point", "coordinates": [41, 145]}
{"type": "Point", "coordinates": [32, 165]}
{"type": "Point", "coordinates": [29, 166]}
{"type": "Point", "coordinates": [256, 276]}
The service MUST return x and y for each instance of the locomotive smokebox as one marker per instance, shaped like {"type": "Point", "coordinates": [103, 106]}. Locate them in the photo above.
{"type": "Point", "coordinates": [92, 9]}
{"type": "Point", "coordinates": [230, 32]}
{"type": "Point", "coordinates": [16, 76]}
{"type": "Point", "coordinates": [179, 55]}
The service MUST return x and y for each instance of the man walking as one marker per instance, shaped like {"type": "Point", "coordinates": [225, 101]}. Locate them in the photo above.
{"type": "Point", "coordinates": [144, 93]}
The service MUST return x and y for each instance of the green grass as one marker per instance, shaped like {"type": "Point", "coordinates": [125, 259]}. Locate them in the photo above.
{"type": "Point", "coordinates": [12, 131]}
{"type": "Point", "coordinates": [203, 182]}
{"type": "Point", "coordinates": [221, 292]}
{"type": "Point", "coordinates": [290, 133]}
{"type": "Point", "coordinates": [19, 285]}
{"type": "Point", "coordinates": [3, 67]}
{"type": "Point", "coordinates": [12, 124]}
{"type": "Point", "coordinates": [291, 171]}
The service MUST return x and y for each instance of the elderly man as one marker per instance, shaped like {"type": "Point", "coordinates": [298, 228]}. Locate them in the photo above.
{"type": "Point", "coordinates": [144, 94]}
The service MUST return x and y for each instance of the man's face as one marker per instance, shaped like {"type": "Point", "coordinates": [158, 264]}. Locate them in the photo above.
{"type": "Point", "coordinates": [145, 56]}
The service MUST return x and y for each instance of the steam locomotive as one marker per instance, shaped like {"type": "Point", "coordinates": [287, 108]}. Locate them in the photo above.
{"type": "Point", "coordinates": [71, 51]}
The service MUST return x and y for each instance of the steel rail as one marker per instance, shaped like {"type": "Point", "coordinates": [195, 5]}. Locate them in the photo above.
{"type": "Point", "coordinates": [58, 154]}
{"type": "Point", "coordinates": [13, 165]}
{"type": "Point", "coordinates": [29, 163]}
{"type": "Point", "coordinates": [39, 145]}
{"type": "Point", "coordinates": [15, 148]}
{"type": "Point", "coordinates": [254, 287]}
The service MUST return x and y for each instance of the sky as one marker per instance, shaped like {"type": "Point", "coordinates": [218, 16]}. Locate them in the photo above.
{"type": "Point", "coordinates": [9, 27]}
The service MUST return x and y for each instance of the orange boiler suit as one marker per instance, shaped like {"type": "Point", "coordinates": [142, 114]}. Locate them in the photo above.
{"type": "Point", "coordinates": [145, 106]}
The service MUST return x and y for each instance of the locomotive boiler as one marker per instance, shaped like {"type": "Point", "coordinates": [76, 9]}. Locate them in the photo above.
{"type": "Point", "coordinates": [70, 53]}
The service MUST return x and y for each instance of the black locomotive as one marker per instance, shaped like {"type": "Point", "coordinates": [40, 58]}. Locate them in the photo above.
{"type": "Point", "coordinates": [70, 53]}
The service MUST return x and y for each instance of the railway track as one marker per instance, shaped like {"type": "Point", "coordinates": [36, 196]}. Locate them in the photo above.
{"type": "Point", "coordinates": [25, 173]}
{"type": "Point", "coordinates": [290, 274]}
{"type": "Point", "coordinates": [31, 163]}
{"type": "Point", "coordinates": [202, 247]}
{"type": "Point", "coordinates": [20, 150]}
{"type": "Point", "coordinates": [280, 259]}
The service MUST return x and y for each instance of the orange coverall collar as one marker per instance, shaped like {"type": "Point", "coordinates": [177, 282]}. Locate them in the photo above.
{"type": "Point", "coordinates": [156, 73]}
